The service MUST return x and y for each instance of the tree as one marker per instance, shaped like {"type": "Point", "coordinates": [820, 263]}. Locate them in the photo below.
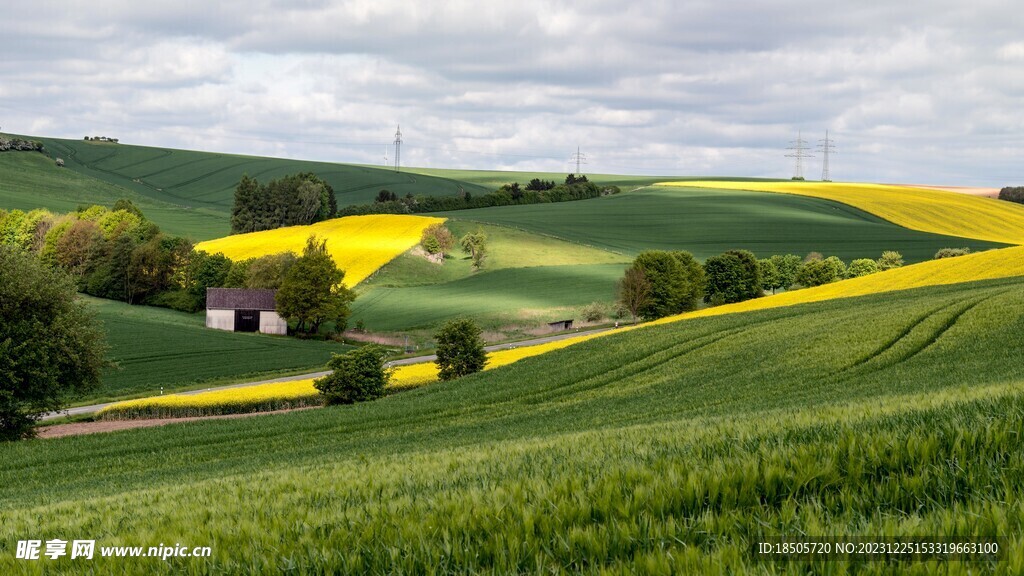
{"type": "Point", "coordinates": [269, 271]}
{"type": "Point", "coordinates": [386, 196]}
{"type": "Point", "coordinates": [50, 346]}
{"type": "Point", "coordinates": [770, 277]}
{"type": "Point", "coordinates": [890, 259]}
{"type": "Point", "coordinates": [460, 349]}
{"type": "Point", "coordinates": [838, 265]}
{"type": "Point", "coordinates": [816, 273]}
{"type": "Point", "coordinates": [787, 267]}
{"type": "Point", "coordinates": [205, 270]}
{"type": "Point", "coordinates": [634, 291]}
{"type": "Point", "coordinates": [732, 276]}
{"type": "Point", "coordinates": [357, 376]}
{"type": "Point", "coordinates": [1012, 194]}
{"type": "Point", "coordinates": [475, 244]}
{"type": "Point", "coordinates": [128, 206]}
{"type": "Point", "coordinates": [437, 239]}
{"type": "Point", "coordinates": [676, 282]}
{"type": "Point", "coordinates": [312, 291]}
{"type": "Point", "coordinates": [861, 267]}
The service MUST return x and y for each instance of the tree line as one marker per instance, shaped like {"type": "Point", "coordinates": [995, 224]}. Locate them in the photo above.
{"type": "Point", "coordinates": [117, 253]}
{"type": "Point", "coordinates": [661, 283]}
{"type": "Point", "coordinates": [537, 191]}
{"type": "Point", "coordinates": [293, 200]}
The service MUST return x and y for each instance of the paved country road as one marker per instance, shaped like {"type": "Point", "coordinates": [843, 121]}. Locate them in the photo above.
{"type": "Point", "coordinates": [79, 410]}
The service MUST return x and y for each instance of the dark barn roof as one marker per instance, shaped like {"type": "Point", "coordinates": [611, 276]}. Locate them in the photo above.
{"type": "Point", "coordinates": [239, 299]}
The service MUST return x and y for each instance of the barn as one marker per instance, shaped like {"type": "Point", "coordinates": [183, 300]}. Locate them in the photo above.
{"type": "Point", "coordinates": [243, 310]}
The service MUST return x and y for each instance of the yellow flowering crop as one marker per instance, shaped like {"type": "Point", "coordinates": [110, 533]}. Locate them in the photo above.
{"type": "Point", "coordinates": [925, 210]}
{"type": "Point", "coordinates": [359, 244]}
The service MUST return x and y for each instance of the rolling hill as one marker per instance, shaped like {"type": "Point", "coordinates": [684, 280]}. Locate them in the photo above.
{"type": "Point", "coordinates": [626, 453]}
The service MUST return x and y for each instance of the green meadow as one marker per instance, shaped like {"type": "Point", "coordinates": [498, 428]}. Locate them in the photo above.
{"type": "Point", "coordinates": [665, 450]}
{"type": "Point", "coordinates": [156, 349]}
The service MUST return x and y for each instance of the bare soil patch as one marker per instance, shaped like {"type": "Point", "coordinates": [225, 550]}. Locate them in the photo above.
{"type": "Point", "coordinates": [973, 191]}
{"type": "Point", "coordinates": [79, 428]}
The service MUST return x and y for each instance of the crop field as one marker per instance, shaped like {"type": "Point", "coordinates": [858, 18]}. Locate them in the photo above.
{"type": "Point", "coordinates": [509, 296]}
{"type": "Point", "coordinates": [201, 184]}
{"type": "Point", "coordinates": [494, 179]}
{"type": "Point", "coordinates": [359, 244]}
{"type": "Point", "coordinates": [709, 222]}
{"type": "Point", "coordinates": [297, 393]}
{"type": "Point", "coordinates": [667, 449]}
{"type": "Point", "coordinates": [157, 348]}
{"type": "Point", "coordinates": [31, 180]}
{"type": "Point", "coordinates": [928, 210]}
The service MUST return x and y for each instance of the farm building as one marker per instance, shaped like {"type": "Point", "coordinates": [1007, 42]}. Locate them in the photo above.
{"type": "Point", "coordinates": [243, 310]}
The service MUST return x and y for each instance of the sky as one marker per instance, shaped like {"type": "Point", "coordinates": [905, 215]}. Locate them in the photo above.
{"type": "Point", "coordinates": [911, 92]}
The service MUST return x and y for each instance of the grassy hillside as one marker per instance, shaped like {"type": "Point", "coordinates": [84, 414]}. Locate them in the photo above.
{"type": "Point", "coordinates": [708, 222]}
{"type": "Point", "coordinates": [162, 348]}
{"type": "Point", "coordinates": [663, 450]}
{"type": "Point", "coordinates": [32, 180]}
{"type": "Point", "coordinates": [203, 183]}
{"type": "Point", "coordinates": [527, 279]}
{"type": "Point", "coordinates": [508, 297]}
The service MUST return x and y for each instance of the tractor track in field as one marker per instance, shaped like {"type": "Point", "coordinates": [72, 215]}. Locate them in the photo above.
{"type": "Point", "coordinates": [959, 308]}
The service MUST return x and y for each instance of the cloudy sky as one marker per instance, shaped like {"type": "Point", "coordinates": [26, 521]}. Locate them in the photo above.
{"type": "Point", "coordinates": [915, 92]}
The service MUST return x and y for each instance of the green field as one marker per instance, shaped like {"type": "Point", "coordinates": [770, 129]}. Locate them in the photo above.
{"type": "Point", "coordinates": [528, 279]}
{"type": "Point", "coordinates": [666, 450]}
{"type": "Point", "coordinates": [708, 222]}
{"type": "Point", "coordinates": [157, 348]}
{"type": "Point", "coordinates": [507, 297]}
{"type": "Point", "coordinates": [201, 184]}
{"type": "Point", "coordinates": [494, 179]}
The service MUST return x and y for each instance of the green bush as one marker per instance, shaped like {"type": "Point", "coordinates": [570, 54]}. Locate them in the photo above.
{"type": "Point", "coordinates": [594, 311]}
{"type": "Point", "coordinates": [951, 253]}
{"type": "Point", "coordinates": [460, 349]}
{"type": "Point", "coordinates": [861, 267]}
{"type": "Point", "coordinates": [357, 376]}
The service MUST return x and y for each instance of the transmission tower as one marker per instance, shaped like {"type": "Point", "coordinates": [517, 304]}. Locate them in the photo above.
{"type": "Point", "coordinates": [799, 148]}
{"type": "Point", "coordinates": [579, 159]}
{"type": "Point", "coordinates": [398, 149]}
{"type": "Point", "coordinates": [827, 148]}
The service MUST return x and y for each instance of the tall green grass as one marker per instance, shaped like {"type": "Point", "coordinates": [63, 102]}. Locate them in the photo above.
{"type": "Point", "coordinates": [664, 450]}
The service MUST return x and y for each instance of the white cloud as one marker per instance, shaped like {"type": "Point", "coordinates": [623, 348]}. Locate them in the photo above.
{"type": "Point", "coordinates": [657, 87]}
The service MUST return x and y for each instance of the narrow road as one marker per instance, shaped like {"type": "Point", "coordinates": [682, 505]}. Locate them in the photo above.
{"type": "Point", "coordinates": [79, 410]}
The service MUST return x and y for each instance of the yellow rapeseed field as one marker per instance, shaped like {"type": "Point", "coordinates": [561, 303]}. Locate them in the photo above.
{"type": "Point", "coordinates": [359, 244]}
{"type": "Point", "coordinates": [936, 211]}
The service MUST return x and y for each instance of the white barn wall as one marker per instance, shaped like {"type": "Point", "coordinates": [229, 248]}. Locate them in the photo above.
{"type": "Point", "coordinates": [222, 319]}
{"type": "Point", "coordinates": [272, 323]}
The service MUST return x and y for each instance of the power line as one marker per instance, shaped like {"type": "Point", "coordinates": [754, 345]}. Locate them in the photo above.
{"type": "Point", "coordinates": [799, 148]}
{"type": "Point", "coordinates": [579, 158]}
{"type": "Point", "coordinates": [827, 148]}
